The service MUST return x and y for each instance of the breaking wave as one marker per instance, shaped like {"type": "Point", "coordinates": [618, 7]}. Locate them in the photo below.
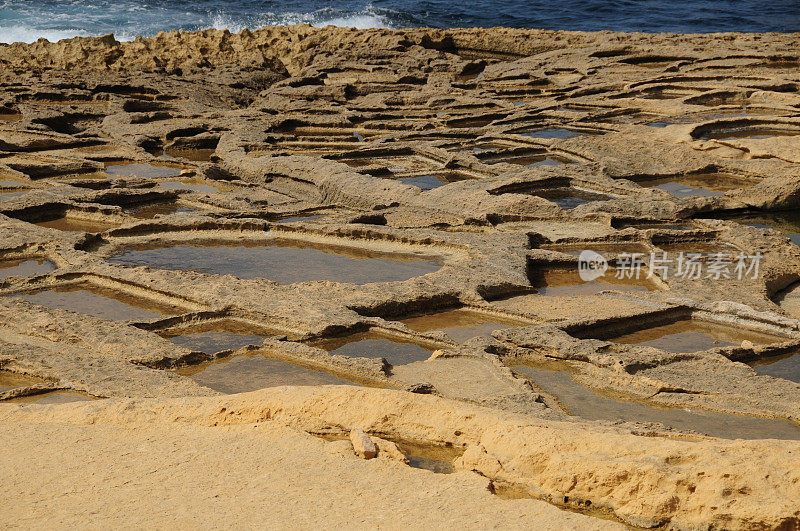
{"type": "Point", "coordinates": [9, 34]}
{"type": "Point", "coordinates": [29, 20]}
{"type": "Point", "coordinates": [369, 17]}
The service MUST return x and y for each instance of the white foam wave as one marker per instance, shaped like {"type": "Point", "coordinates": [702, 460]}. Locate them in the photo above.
{"type": "Point", "coordinates": [11, 34]}
{"type": "Point", "coordinates": [358, 21]}
{"type": "Point", "coordinates": [367, 18]}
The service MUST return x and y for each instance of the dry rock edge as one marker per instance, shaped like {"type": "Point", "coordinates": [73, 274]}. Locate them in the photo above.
{"type": "Point", "coordinates": [689, 484]}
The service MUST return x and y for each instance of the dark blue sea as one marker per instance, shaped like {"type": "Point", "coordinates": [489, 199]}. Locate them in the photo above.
{"type": "Point", "coordinates": [28, 20]}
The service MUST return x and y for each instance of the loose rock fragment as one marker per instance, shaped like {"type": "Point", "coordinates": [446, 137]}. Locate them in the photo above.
{"type": "Point", "coordinates": [389, 450]}
{"type": "Point", "coordinates": [362, 444]}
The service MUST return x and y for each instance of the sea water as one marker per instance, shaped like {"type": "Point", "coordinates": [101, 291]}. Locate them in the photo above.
{"type": "Point", "coordinates": [29, 20]}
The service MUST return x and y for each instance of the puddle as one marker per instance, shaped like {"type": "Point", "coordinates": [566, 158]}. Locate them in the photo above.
{"type": "Point", "coordinates": [436, 459]}
{"type": "Point", "coordinates": [68, 224]}
{"type": "Point", "coordinates": [568, 283]}
{"type": "Point", "coordinates": [550, 133]}
{"type": "Point", "coordinates": [150, 171]}
{"type": "Point", "coordinates": [158, 209]}
{"type": "Point", "coordinates": [460, 324]}
{"type": "Point", "coordinates": [195, 155]}
{"type": "Point", "coordinates": [245, 373]}
{"type": "Point", "coordinates": [283, 262]}
{"type": "Point", "coordinates": [691, 335]}
{"type": "Point", "coordinates": [697, 185]}
{"type": "Point", "coordinates": [786, 366]}
{"type": "Point", "coordinates": [787, 222]}
{"type": "Point", "coordinates": [12, 189]}
{"type": "Point", "coordinates": [100, 302]}
{"type": "Point", "coordinates": [5, 195]}
{"type": "Point", "coordinates": [569, 198]}
{"type": "Point", "coordinates": [547, 161]}
{"type": "Point", "coordinates": [582, 402]}
{"type": "Point", "coordinates": [463, 123]}
{"type": "Point", "coordinates": [25, 268]}
{"type": "Point", "coordinates": [216, 336]}
{"type": "Point", "coordinates": [429, 182]}
{"type": "Point", "coordinates": [11, 380]}
{"type": "Point", "coordinates": [375, 345]}
{"type": "Point", "coordinates": [658, 124]}
{"type": "Point", "coordinates": [746, 132]}
{"type": "Point", "coordinates": [194, 186]}
{"type": "Point", "coordinates": [681, 190]}
{"type": "Point", "coordinates": [53, 397]}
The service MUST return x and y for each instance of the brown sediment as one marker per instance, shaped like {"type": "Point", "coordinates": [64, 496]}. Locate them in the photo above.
{"type": "Point", "coordinates": [407, 209]}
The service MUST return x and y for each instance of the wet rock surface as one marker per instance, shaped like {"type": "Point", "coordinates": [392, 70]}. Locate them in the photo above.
{"type": "Point", "coordinates": [407, 209]}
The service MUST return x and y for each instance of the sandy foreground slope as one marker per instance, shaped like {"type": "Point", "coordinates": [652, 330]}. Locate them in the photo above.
{"type": "Point", "coordinates": [246, 460]}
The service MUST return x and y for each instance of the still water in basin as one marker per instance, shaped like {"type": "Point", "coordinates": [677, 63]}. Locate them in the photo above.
{"type": "Point", "coordinates": [11, 380]}
{"type": "Point", "coordinates": [786, 366]}
{"type": "Point", "coordinates": [460, 324]}
{"type": "Point", "coordinates": [568, 283]}
{"type": "Point", "coordinates": [25, 268]}
{"type": "Point", "coordinates": [193, 154]}
{"type": "Point", "coordinates": [100, 302]}
{"type": "Point", "coordinates": [551, 132]}
{"type": "Point", "coordinates": [582, 402]}
{"type": "Point", "coordinates": [53, 397]}
{"type": "Point", "coordinates": [150, 171]}
{"type": "Point", "coordinates": [68, 224]}
{"type": "Point", "coordinates": [374, 345]}
{"type": "Point", "coordinates": [697, 185]}
{"type": "Point", "coordinates": [426, 182]}
{"type": "Point", "coordinates": [153, 210]}
{"type": "Point", "coordinates": [250, 372]}
{"type": "Point", "coordinates": [747, 132]}
{"type": "Point", "coordinates": [283, 262]}
{"type": "Point", "coordinates": [691, 335]}
{"type": "Point", "coordinates": [787, 222]}
{"type": "Point", "coordinates": [8, 194]}
{"type": "Point", "coordinates": [215, 336]}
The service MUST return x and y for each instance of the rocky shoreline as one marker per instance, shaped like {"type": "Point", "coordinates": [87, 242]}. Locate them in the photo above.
{"type": "Point", "coordinates": [404, 211]}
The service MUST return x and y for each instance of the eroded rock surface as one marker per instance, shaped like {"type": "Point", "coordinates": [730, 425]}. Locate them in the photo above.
{"type": "Point", "coordinates": [406, 209]}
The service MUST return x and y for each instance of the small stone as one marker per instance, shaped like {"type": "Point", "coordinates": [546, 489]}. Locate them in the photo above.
{"type": "Point", "coordinates": [389, 450]}
{"type": "Point", "coordinates": [747, 344]}
{"type": "Point", "coordinates": [422, 388]}
{"type": "Point", "coordinates": [438, 353]}
{"type": "Point", "coordinates": [362, 444]}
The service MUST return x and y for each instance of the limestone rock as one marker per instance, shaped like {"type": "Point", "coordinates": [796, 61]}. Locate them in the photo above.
{"type": "Point", "coordinates": [362, 444]}
{"type": "Point", "coordinates": [389, 450]}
